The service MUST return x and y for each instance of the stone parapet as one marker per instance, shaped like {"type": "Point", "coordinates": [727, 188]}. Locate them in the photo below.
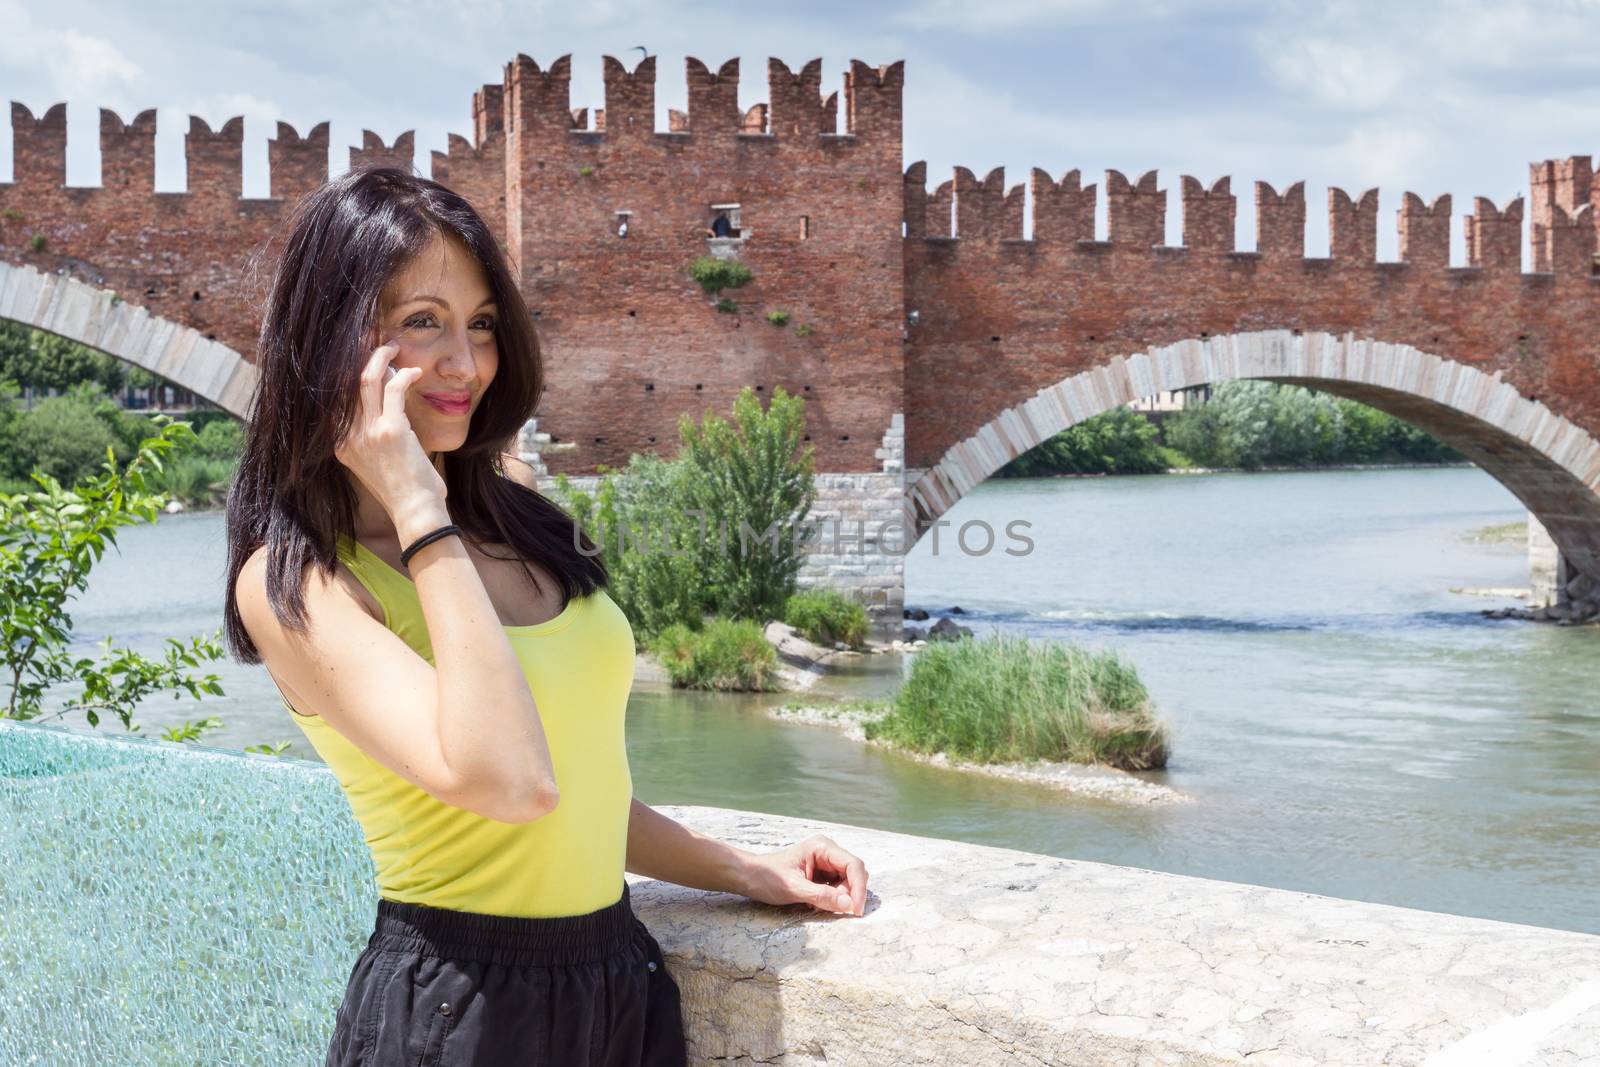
{"type": "Point", "coordinates": [974, 955]}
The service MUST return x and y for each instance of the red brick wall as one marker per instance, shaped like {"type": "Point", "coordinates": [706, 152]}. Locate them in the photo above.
{"type": "Point", "coordinates": [1001, 318]}
{"type": "Point", "coordinates": [631, 341]}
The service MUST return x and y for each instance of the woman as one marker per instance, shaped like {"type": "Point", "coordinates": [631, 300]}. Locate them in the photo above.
{"type": "Point", "coordinates": [442, 634]}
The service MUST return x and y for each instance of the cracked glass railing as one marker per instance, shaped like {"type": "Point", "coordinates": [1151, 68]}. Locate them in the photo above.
{"type": "Point", "coordinates": [166, 904]}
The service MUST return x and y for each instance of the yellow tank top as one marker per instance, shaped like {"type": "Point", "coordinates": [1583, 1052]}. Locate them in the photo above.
{"type": "Point", "coordinates": [579, 666]}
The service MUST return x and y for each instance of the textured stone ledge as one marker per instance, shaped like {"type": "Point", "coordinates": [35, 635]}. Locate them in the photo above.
{"type": "Point", "coordinates": [976, 955]}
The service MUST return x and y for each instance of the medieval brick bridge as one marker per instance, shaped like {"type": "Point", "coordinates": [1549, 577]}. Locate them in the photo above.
{"type": "Point", "coordinates": [927, 311]}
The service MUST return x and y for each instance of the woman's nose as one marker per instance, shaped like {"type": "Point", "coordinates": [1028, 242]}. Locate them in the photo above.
{"type": "Point", "coordinates": [458, 361]}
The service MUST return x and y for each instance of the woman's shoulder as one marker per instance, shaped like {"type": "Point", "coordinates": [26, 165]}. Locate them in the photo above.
{"type": "Point", "coordinates": [251, 584]}
{"type": "Point", "coordinates": [520, 471]}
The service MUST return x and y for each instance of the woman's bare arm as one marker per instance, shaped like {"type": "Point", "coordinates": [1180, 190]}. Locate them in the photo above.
{"type": "Point", "coordinates": [451, 740]}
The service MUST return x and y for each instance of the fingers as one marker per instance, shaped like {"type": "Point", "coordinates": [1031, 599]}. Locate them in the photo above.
{"type": "Point", "coordinates": [373, 378]}
{"type": "Point", "coordinates": [826, 856]}
{"type": "Point", "coordinates": [394, 392]}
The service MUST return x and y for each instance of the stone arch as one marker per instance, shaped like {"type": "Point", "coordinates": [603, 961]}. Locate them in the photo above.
{"type": "Point", "coordinates": [1549, 463]}
{"type": "Point", "coordinates": [100, 319]}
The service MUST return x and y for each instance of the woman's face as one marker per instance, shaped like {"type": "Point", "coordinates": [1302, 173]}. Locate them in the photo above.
{"type": "Point", "coordinates": [440, 312]}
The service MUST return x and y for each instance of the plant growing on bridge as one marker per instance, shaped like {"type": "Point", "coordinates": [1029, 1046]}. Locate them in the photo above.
{"type": "Point", "coordinates": [727, 305]}
{"type": "Point", "coordinates": [803, 330]}
{"type": "Point", "coordinates": [777, 318]}
{"type": "Point", "coordinates": [714, 274]}
{"type": "Point", "coordinates": [38, 242]}
{"type": "Point", "coordinates": [50, 538]}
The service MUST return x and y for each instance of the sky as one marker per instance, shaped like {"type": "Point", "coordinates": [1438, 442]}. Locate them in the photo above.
{"type": "Point", "coordinates": [1453, 97]}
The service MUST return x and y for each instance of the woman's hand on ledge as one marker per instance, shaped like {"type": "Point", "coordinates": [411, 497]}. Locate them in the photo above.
{"type": "Point", "coordinates": [815, 871]}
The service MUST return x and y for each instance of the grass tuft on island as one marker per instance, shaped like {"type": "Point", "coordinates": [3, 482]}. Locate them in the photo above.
{"type": "Point", "coordinates": [725, 654]}
{"type": "Point", "coordinates": [1004, 698]}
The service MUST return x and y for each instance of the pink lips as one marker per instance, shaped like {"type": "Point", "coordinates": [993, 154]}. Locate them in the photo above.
{"type": "Point", "coordinates": [450, 404]}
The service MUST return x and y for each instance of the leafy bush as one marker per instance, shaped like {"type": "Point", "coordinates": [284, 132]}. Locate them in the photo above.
{"type": "Point", "coordinates": [824, 616]}
{"type": "Point", "coordinates": [726, 654]}
{"type": "Point", "coordinates": [1005, 698]}
{"type": "Point", "coordinates": [670, 530]}
{"type": "Point", "coordinates": [650, 549]}
{"type": "Point", "coordinates": [50, 538]}
{"type": "Point", "coordinates": [777, 318]}
{"type": "Point", "coordinates": [198, 481]}
{"type": "Point", "coordinates": [754, 484]}
{"type": "Point", "coordinates": [63, 437]}
{"type": "Point", "coordinates": [1252, 424]}
{"type": "Point", "coordinates": [221, 439]}
{"type": "Point", "coordinates": [715, 274]}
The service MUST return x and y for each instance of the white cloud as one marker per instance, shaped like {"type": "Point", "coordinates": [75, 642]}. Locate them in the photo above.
{"type": "Point", "coordinates": [73, 63]}
{"type": "Point", "coordinates": [1343, 74]}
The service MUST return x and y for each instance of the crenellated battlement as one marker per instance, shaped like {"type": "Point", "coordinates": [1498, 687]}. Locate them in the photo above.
{"type": "Point", "coordinates": [39, 147]}
{"type": "Point", "coordinates": [797, 106]}
{"type": "Point", "coordinates": [539, 102]}
{"type": "Point", "coordinates": [1280, 220]}
{"type": "Point", "coordinates": [873, 100]}
{"type": "Point", "coordinates": [1207, 213]}
{"type": "Point", "coordinates": [1425, 231]}
{"type": "Point", "coordinates": [1062, 211]}
{"type": "Point", "coordinates": [631, 97]}
{"type": "Point", "coordinates": [488, 116]}
{"type": "Point", "coordinates": [1564, 232]}
{"type": "Point", "coordinates": [713, 98]}
{"type": "Point", "coordinates": [297, 165]}
{"type": "Point", "coordinates": [402, 153]}
{"type": "Point", "coordinates": [215, 158]}
{"type": "Point", "coordinates": [128, 150]}
{"type": "Point", "coordinates": [984, 209]}
{"type": "Point", "coordinates": [1494, 236]}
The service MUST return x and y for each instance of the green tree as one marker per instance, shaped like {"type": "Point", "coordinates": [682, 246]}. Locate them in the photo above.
{"type": "Point", "coordinates": [50, 538]}
{"type": "Point", "coordinates": [1250, 423]}
{"type": "Point", "coordinates": [636, 518]}
{"type": "Point", "coordinates": [63, 364]}
{"type": "Point", "coordinates": [1119, 441]}
{"type": "Point", "coordinates": [670, 530]}
{"type": "Point", "coordinates": [64, 437]}
{"type": "Point", "coordinates": [754, 484]}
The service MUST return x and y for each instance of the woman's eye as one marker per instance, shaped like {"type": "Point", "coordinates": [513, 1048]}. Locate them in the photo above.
{"type": "Point", "coordinates": [484, 324]}
{"type": "Point", "coordinates": [422, 319]}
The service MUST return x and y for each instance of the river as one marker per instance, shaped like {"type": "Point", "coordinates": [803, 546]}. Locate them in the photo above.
{"type": "Point", "coordinates": [1346, 725]}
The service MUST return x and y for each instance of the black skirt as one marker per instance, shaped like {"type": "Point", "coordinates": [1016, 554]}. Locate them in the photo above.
{"type": "Point", "coordinates": [435, 986]}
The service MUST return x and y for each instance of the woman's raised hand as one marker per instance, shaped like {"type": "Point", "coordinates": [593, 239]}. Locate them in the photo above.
{"type": "Point", "coordinates": [382, 449]}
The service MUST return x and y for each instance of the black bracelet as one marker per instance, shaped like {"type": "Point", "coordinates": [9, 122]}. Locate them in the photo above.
{"type": "Point", "coordinates": [427, 539]}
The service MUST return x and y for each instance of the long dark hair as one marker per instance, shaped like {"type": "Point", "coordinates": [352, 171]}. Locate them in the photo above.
{"type": "Point", "coordinates": [334, 255]}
